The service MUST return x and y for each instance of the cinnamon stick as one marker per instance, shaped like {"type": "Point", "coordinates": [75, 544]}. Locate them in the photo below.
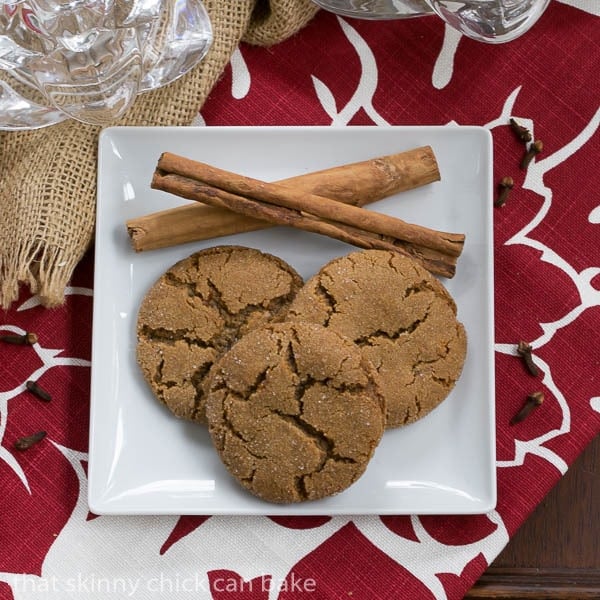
{"type": "Point", "coordinates": [357, 183]}
{"type": "Point", "coordinates": [284, 205]}
{"type": "Point", "coordinates": [435, 261]}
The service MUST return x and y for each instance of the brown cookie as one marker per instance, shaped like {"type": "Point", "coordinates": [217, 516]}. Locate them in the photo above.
{"type": "Point", "coordinates": [402, 318]}
{"type": "Point", "coordinates": [295, 412]}
{"type": "Point", "coordinates": [197, 309]}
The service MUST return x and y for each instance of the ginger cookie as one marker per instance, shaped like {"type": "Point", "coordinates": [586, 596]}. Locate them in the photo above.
{"type": "Point", "coordinates": [197, 309]}
{"type": "Point", "coordinates": [295, 412]}
{"type": "Point", "coordinates": [402, 318]}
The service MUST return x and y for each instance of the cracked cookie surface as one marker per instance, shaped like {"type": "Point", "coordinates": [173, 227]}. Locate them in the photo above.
{"type": "Point", "coordinates": [402, 318]}
{"type": "Point", "coordinates": [197, 309]}
{"type": "Point", "coordinates": [295, 412]}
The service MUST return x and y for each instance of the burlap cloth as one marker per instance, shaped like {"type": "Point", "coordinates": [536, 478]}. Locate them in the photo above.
{"type": "Point", "coordinates": [48, 177]}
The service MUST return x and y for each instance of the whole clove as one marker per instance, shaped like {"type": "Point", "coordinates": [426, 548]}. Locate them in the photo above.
{"type": "Point", "coordinates": [28, 441]}
{"type": "Point", "coordinates": [526, 352]}
{"type": "Point", "coordinates": [533, 400]}
{"type": "Point", "coordinates": [27, 339]}
{"type": "Point", "coordinates": [506, 184]}
{"type": "Point", "coordinates": [534, 149]}
{"type": "Point", "coordinates": [35, 388]}
{"type": "Point", "coordinates": [523, 134]}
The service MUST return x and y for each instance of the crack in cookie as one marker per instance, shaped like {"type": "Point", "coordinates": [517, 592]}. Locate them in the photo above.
{"type": "Point", "coordinates": [164, 335]}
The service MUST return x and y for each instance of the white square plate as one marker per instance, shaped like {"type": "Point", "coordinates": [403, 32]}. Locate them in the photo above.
{"type": "Point", "coordinates": [145, 461]}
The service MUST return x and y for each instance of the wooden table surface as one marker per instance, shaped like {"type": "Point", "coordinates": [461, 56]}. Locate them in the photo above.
{"type": "Point", "coordinates": [556, 553]}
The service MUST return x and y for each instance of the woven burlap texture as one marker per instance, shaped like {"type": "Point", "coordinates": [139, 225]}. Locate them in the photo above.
{"type": "Point", "coordinates": [48, 177]}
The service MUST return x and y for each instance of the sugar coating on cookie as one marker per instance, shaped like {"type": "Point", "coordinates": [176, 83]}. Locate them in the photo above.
{"type": "Point", "coordinates": [197, 309]}
{"type": "Point", "coordinates": [403, 319]}
{"type": "Point", "coordinates": [295, 412]}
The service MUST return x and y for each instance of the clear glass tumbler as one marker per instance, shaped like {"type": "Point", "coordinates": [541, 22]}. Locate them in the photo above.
{"type": "Point", "coordinates": [491, 21]}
